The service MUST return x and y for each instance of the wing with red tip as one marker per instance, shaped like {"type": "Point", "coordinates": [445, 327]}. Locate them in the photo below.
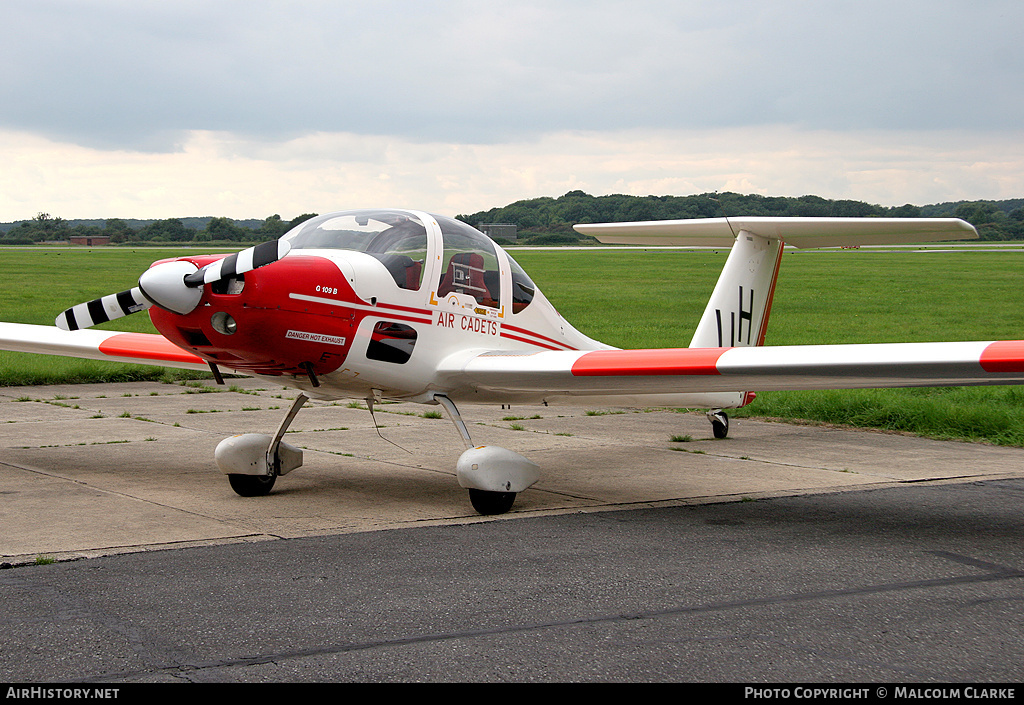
{"type": "Point", "coordinates": [634, 373]}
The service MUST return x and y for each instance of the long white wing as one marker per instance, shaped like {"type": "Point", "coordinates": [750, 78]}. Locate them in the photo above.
{"type": "Point", "coordinates": [658, 372]}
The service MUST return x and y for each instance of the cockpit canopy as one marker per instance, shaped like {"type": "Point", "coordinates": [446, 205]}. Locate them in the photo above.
{"type": "Point", "coordinates": [398, 239]}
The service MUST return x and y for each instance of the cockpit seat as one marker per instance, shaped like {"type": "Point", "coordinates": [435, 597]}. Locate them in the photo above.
{"type": "Point", "coordinates": [465, 275]}
{"type": "Point", "coordinates": [402, 268]}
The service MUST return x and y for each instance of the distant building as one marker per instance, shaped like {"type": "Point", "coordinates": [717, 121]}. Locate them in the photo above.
{"type": "Point", "coordinates": [504, 231]}
{"type": "Point", "coordinates": [90, 240]}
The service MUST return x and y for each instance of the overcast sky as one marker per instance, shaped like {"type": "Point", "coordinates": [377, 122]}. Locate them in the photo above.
{"type": "Point", "coordinates": [128, 108]}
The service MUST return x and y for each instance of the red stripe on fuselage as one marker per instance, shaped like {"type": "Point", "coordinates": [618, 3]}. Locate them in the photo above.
{"type": "Point", "coordinates": [1003, 356]}
{"type": "Point", "coordinates": [670, 361]}
{"type": "Point", "coordinates": [524, 331]}
{"type": "Point", "coordinates": [529, 342]}
{"type": "Point", "coordinates": [389, 315]}
{"type": "Point", "coordinates": [417, 310]}
{"type": "Point", "coordinates": [146, 346]}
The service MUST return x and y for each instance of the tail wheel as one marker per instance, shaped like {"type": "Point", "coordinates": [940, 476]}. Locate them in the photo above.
{"type": "Point", "coordinates": [489, 503]}
{"type": "Point", "coordinates": [719, 424]}
{"type": "Point", "coordinates": [252, 485]}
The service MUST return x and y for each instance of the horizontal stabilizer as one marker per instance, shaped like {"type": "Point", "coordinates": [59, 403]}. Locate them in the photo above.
{"type": "Point", "coordinates": [798, 232]}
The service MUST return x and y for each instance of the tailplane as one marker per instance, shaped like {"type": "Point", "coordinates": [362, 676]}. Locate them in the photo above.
{"type": "Point", "coordinates": [737, 314]}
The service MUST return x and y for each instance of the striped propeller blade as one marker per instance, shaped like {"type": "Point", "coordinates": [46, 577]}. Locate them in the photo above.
{"type": "Point", "coordinates": [103, 309]}
{"type": "Point", "coordinates": [239, 263]}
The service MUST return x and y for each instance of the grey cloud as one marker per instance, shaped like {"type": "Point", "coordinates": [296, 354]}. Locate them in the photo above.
{"type": "Point", "coordinates": [139, 75]}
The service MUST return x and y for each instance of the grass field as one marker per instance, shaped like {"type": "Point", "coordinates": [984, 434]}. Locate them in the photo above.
{"type": "Point", "coordinates": [636, 298]}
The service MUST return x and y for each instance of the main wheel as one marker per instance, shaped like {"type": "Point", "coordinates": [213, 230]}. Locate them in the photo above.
{"type": "Point", "coordinates": [252, 485]}
{"type": "Point", "coordinates": [719, 424]}
{"type": "Point", "coordinates": [488, 503]}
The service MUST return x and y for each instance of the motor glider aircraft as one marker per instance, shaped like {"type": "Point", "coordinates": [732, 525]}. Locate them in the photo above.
{"type": "Point", "coordinates": [409, 306]}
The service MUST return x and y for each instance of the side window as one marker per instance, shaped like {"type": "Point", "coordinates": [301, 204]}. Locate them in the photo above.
{"type": "Point", "coordinates": [391, 342]}
{"type": "Point", "coordinates": [470, 264]}
{"type": "Point", "coordinates": [523, 287]}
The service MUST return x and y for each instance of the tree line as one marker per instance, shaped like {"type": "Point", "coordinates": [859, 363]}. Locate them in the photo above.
{"type": "Point", "coordinates": [47, 228]}
{"type": "Point", "coordinates": [550, 220]}
{"type": "Point", "coordinates": [545, 220]}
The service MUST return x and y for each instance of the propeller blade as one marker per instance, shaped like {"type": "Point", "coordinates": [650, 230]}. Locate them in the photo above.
{"type": "Point", "coordinates": [101, 310]}
{"type": "Point", "coordinates": [239, 263]}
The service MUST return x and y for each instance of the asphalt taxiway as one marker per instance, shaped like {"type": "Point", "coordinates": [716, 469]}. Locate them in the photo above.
{"type": "Point", "coordinates": [647, 551]}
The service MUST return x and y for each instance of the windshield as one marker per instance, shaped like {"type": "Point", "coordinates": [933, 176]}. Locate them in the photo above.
{"type": "Point", "coordinates": [397, 239]}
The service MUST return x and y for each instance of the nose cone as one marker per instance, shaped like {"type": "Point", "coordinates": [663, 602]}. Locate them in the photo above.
{"type": "Point", "coordinates": [164, 285]}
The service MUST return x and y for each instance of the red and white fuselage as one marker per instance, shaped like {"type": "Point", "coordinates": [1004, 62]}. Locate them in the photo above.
{"type": "Point", "coordinates": [380, 320]}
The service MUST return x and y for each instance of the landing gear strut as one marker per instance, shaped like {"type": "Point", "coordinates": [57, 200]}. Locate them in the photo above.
{"type": "Point", "coordinates": [252, 461]}
{"type": "Point", "coordinates": [492, 475]}
{"type": "Point", "coordinates": [719, 423]}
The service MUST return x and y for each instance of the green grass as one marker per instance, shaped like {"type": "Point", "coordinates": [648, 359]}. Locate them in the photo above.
{"type": "Point", "coordinates": [992, 414]}
{"type": "Point", "coordinates": [635, 298]}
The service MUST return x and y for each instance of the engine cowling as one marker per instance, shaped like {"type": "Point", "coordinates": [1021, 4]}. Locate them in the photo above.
{"type": "Point", "coordinates": [254, 323]}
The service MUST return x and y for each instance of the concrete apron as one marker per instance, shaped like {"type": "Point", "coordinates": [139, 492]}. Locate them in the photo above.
{"type": "Point", "coordinates": [91, 470]}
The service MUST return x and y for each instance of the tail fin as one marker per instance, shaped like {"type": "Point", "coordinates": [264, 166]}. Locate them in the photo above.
{"type": "Point", "coordinates": [737, 314]}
